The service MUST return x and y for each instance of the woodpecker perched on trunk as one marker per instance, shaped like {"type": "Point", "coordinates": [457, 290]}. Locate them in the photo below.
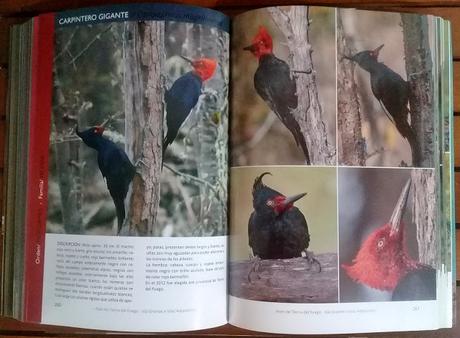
{"type": "Point", "coordinates": [383, 261]}
{"type": "Point", "coordinates": [183, 95]}
{"type": "Point", "coordinates": [390, 90]}
{"type": "Point", "coordinates": [274, 83]}
{"type": "Point", "coordinates": [277, 229]}
{"type": "Point", "coordinates": [115, 167]}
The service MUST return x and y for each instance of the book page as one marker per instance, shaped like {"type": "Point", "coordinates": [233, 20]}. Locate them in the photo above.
{"type": "Point", "coordinates": [133, 171]}
{"type": "Point", "coordinates": [335, 220]}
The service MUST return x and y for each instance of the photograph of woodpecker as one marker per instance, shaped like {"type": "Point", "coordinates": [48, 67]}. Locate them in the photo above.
{"type": "Point", "coordinates": [283, 232]}
{"type": "Point", "coordinates": [283, 96]}
{"type": "Point", "coordinates": [385, 89]}
{"type": "Point", "coordinates": [388, 234]}
{"type": "Point", "coordinates": [139, 145]}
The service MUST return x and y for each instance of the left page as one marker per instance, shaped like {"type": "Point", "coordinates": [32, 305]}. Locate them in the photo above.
{"type": "Point", "coordinates": [126, 219]}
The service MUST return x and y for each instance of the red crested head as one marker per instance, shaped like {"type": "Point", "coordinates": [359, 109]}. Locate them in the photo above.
{"type": "Point", "coordinates": [281, 203]}
{"type": "Point", "coordinates": [383, 258]}
{"type": "Point", "coordinates": [203, 67]}
{"type": "Point", "coordinates": [269, 202]}
{"type": "Point", "coordinates": [99, 130]}
{"type": "Point", "coordinates": [262, 44]}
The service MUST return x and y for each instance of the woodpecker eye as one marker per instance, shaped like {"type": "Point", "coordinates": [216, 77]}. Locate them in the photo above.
{"type": "Point", "coordinates": [270, 203]}
{"type": "Point", "coordinates": [380, 243]}
{"type": "Point", "coordinates": [95, 131]}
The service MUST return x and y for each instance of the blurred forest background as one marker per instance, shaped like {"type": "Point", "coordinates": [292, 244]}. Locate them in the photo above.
{"type": "Point", "coordinates": [366, 200]}
{"type": "Point", "coordinates": [257, 136]}
{"type": "Point", "coordinates": [88, 90]}
{"type": "Point", "coordinates": [319, 206]}
{"type": "Point", "coordinates": [366, 30]}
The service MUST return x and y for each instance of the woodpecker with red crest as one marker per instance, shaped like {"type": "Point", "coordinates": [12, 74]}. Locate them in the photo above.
{"type": "Point", "coordinates": [277, 229]}
{"type": "Point", "coordinates": [183, 95]}
{"type": "Point", "coordinates": [274, 83]}
{"type": "Point", "coordinates": [383, 261]}
{"type": "Point", "coordinates": [114, 165]}
{"type": "Point", "coordinates": [390, 90]}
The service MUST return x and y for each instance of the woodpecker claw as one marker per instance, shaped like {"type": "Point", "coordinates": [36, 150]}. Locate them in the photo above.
{"type": "Point", "coordinates": [139, 161]}
{"type": "Point", "coordinates": [254, 268]}
{"type": "Point", "coordinates": [312, 260]}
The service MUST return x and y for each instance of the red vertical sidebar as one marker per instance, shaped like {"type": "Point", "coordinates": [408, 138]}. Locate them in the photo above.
{"type": "Point", "coordinates": [37, 177]}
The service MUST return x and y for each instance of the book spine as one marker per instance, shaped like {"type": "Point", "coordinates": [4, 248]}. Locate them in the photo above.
{"type": "Point", "coordinates": [37, 177]}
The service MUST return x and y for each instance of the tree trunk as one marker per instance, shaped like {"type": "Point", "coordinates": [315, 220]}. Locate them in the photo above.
{"type": "Point", "coordinates": [143, 91]}
{"type": "Point", "coordinates": [351, 143]}
{"type": "Point", "coordinates": [69, 176]}
{"type": "Point", "coordinates": [206, 139]}
{"type": "Point", "coordinates": [425, 216]}
{"type": "Point", "coordinates": [420, 77]}
{"type": "Point", "coordinates": [211, 146]}
{"type": "Point", "coordinates": [293, 23]}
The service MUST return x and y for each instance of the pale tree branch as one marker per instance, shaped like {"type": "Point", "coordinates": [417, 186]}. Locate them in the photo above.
{"type": "Point", "coordinates": [294, 24]}
{"type": "Point", "coordinates": [351, 142]}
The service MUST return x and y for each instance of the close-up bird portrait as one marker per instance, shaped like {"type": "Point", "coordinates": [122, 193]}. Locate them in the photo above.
{"type": "Point", "coordinates": [283, 97]}
{"type": "Point", "coordinates": [139, 145]}
{"type": "Point", "coordinates": [387, 231]}
{"type": "Point", "coordinates": [283, 234]}
{"type": "Point", "coordinates": [385, 103]}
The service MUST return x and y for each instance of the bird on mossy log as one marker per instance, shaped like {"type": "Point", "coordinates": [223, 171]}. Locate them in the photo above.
{"type": "Point", "coordinates": [383, 261]}
{"type": "Point", "coordinates": [277, 229]}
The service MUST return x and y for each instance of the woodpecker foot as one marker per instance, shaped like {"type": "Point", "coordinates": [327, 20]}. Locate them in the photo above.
{"type": "Point", "coordinates": [308, 71]}
{"type": "Point", "coordinates": [416, 74]}
{"type": "Point", "coordinates": [254, 269]}
{"type": "Point", "coordinates": [315, 265]}
{"type": "Point", "coordinates": [139, 162]}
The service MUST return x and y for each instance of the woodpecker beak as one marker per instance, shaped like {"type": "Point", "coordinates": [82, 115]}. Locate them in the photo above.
{"type": "Point", "coordinates": [186, 59]}
{"type": "Point", "coordinates": [377, 50]}
{"type": "Point", "coordinates": [250, 48]}
{"type": "Point", "coordinates": [395, 220]}
{"type": "Point", "coordinates": [291, 199]}
{"type": "Point", "coordinates": [347, 58]}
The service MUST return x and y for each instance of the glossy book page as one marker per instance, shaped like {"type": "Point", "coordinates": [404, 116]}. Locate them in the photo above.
{"type": "Point", "coordinates": [127, 221]}
{"type": "Point", "coordinates": [336, 172]}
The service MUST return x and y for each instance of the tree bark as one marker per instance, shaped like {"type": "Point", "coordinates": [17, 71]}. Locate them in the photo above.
{"type": "Point", "coordinates": [143, 91]}
{"type": "Point", "coordinates": [211, 146]}
{"type": "Point", "coordinates": [420, 77]}
{"type": "Point", "coordinates": [69, 176]}
{"type": "Point", "coordinates": [425, 216]}
{"type": "Point", "coordinates": [351, 143]}
{"type": "Point", "coordinates": [293, 23]}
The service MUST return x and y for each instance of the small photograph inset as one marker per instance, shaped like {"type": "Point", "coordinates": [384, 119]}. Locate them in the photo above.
{"type": "Point", "coordinates": [388, 234]}
{"type": "Point", "coordinates": [284, 234]}
{"type": "Point", "coordinates": [284, 90]}
{"type": "Point", "coordinates": [385, 94]}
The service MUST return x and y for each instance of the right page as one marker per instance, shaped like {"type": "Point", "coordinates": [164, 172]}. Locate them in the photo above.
{"type": "Point", "coordinates": [340, 213]}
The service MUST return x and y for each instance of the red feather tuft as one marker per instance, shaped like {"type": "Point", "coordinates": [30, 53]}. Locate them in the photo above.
{"type": "Point", "coordinates": [262, 43]}
{"type": "Point", "coordinates": [204, 68]}
{"type": "Point", "coordinates": [382, 260]}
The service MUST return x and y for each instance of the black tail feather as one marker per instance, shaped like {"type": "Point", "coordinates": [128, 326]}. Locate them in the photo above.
{"type": "Point", "coordinates": [120, 209]}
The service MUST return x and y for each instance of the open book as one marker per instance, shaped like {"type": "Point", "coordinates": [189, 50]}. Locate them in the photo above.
{"type": "Point", "coordinates": [315, 196]}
